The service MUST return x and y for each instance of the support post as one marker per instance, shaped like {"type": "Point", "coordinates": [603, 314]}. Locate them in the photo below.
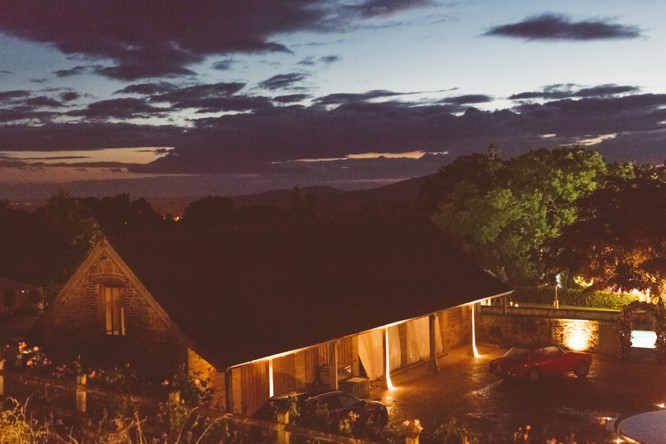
{"type": "Point", "coordinates": [2, 377]}
{"type": "Point", "coordinates": [228, 391]}
{"type": "Point", "coordinates": [433, 343]}
{"type": "Point", "coordinates": [387, 361]}
{"type": "Point", "coordinates": [174, 396]}
{"type": "Point", "coordinates": [283, 435]}
{"type": "Point", "coordinates": [356, 361]}
{"type": "Point", "coordinates": [81, 393]}
{"type": "Point", "coordinates": [333, 365]}
{"type": "Point", "coordinates": [473, 351]}
{"type": "Point", "coordinates": [271, 387]}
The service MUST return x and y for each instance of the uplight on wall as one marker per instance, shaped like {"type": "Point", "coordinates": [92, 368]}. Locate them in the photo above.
{"type": "Point", "coordinates": [578, 334]}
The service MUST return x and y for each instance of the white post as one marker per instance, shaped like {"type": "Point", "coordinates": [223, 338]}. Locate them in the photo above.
{"type": "Point", "coordinates": [81, 394]}
{"type": "Point", "coordinates": [474, 351]}
{"type": "Point", "coordinates": [282, 434]}
{"type": "Point", "coordinates": [271, 388]}
{"type": "Point", "coordinates": [387, 360]}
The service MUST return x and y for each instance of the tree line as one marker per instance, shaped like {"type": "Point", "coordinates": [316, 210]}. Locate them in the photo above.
{"type": "Point", "coordinates": [45, 246]}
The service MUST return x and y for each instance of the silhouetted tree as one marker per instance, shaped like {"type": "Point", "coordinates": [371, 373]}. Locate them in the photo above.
{"type": "Point", "coordinates": [209, 212]}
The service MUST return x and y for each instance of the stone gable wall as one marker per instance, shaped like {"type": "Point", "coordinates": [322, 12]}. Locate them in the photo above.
{"type": "Point", "coordinates": [77, 326]}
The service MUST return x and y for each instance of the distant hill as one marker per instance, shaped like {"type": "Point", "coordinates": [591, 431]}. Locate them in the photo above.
{"type": "Point", "coordinates": [398, 196]}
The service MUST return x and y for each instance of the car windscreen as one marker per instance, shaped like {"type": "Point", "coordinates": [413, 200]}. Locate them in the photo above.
{"type": "Point", "coordinates": [517, 353]}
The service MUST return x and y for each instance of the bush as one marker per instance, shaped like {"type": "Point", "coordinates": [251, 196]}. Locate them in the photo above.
{"type": "Point", "coordinates": [572, 297]}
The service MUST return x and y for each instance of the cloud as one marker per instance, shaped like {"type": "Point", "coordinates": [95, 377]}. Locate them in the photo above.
{"type": "Point", "coordinates": [282, 81]}
{"type": "Point", "coordinates": [564, 90]}
{"type": "Point", "coordinates": [148, 89]}
{"type": "Point", "coordinates": [6, 72]}
{"type": "Point", "coordinates": [261, 135]}
{"type": "Point", "coordinates": [125, 108]}
{"type": "Point", "coordinates": [326, 60]}
{"type": "Point", "coordinates": [373, 8]}
{"type": "Point", "coordinates": [329, 59]}
{"type": "Point", "coordinates": [68, 96]}
{"type": "Point", "coordinates": [223, 65]}
{"type": "Point", "coordinates": [559, 27]}
{"type": "Point", "coordinates": [348, 98]}
{"type": "Point", "coordinates": [291, 98]}
{"type": "Point", "coordinates": [466, 99]}
{"type": "Point", "coordinates": [11, 96]}
{"type": "Point", "coordinates": [43, 101]}
{"type": "Point", "coordinates": [77, 70]}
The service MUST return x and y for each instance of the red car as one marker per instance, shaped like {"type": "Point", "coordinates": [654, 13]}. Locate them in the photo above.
{"type": "Point", "coordinates": [535, 362]}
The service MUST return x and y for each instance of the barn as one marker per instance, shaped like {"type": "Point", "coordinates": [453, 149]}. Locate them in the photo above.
{"type": "Point", "coordinates": [264, 310]}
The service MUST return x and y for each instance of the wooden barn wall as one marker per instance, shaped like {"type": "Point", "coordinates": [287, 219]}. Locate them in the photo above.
{"type": "Point", "coordinates": [198, 367]}
{"type": "Point", "coordinates": [254, 386]}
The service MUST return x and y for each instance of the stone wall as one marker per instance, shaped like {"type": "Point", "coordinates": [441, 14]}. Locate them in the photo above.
{"type": "Point", "coordinates": [586, 330]}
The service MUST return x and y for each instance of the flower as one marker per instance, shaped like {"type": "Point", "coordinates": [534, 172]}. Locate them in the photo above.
{"type": "Point", "coordinates": [412, 428]}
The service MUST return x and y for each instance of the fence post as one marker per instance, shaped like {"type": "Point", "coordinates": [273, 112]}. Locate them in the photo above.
{"type": "Point", "coordinates": [81, 394]}
{"type": "Point", "coordinates": [282, 434]}
{"type": "Point", "coordinates": [2, 377]}
{"type": "Point", "coordinates": [174, 396]}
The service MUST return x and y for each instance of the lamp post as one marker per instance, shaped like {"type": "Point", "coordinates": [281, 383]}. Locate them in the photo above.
{"type": "Point", "coordinates": [558, 280]}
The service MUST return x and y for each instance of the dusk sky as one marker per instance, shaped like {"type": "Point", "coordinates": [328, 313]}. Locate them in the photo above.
{"type": "Point", "coordinates": [189, 98]}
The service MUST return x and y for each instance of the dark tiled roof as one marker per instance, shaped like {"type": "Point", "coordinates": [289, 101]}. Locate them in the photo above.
{"type": "Point", "coordinates": [247, 294]}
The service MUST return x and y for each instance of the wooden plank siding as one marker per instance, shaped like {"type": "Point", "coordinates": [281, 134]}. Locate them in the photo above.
{"type": "Point", "coordinates": [254, 386]}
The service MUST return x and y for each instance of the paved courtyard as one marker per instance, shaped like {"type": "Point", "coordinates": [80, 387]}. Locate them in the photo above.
{"type": "Point", "coordinates": [554, 407]}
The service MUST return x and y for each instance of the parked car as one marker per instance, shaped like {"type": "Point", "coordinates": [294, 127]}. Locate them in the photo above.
{"type": "Point", "coordinates": [534, 362]}
{"type": "Point", "coordinates": [322, 408]}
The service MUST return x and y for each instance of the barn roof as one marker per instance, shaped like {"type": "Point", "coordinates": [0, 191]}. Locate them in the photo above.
{"type": "Point", "coordinates": [243, 295]}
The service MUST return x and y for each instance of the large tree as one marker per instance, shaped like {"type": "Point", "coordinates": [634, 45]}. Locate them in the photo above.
{"type": "Point", "coordinates": [619, 241]}
{"type": "Point", "coordinates": [505, 213]}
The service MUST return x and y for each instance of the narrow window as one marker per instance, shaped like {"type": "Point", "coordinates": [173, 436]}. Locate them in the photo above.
{"type": "Point", "coordinates": [114, 314]}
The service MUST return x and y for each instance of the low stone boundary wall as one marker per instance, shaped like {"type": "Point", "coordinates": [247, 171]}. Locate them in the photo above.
{"type": "Point", "coordinates": [582, 330]}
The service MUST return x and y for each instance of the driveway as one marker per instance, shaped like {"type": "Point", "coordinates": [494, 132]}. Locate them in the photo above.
{"type": "Point", "coordinates": [555, 407]}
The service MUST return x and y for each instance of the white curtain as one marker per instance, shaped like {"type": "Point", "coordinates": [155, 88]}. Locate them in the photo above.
{"type": "Point", "coordinates": [394, 347]}
{"type": "Point", "coordinates": [371, 351]}
{"type": "Point", "coordinates": [418, 339]}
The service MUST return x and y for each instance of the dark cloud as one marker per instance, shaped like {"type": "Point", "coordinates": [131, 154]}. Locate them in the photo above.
{"type": "Point", "coordinates": [466, 99]}
{"type": "Point", "coordinates": [373, 8]}
{"type": "Point", "coordinates": [261, 137]}
{"type": "Point", "coordinates": [347, 98]}
{"type": "Point", "coordinates": [291, 98]}
{"type": "Point", "coordinates": [68, 96]}
{"type": "Point", "coordinates": [126, 108]}
{"type": "Point", "coordinates": [307, 61]}
{"type": "Point", "coordinates": [86, 136]}
{"type": "Point", "coordinates": [560, 27]}
{"type": "Point", "coordinates": [10, 96]}
{"type": "Point", "coordinates": [43, 101]}
{"type": "Point", "coordinates": [329, 59]}
{"type": "Point", "coordinates": [77, 70]}
{"type": "Point", "coordinates": [6, 72]}
{"type": "Point", "coordinates": [148, 89]}
{"type": "Point", "coordinates": [223, 65]}
{"type": "Point", "coordinates": [565, 90]}
{"type": "Point", "coordinates": [326, 60]}
{"type": "Point", "coordinates": [282, 81]}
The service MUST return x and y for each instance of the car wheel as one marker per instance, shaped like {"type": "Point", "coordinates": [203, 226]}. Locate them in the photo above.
{"type": "Point", "coordinates": [533, 375]}
{"type": "Point", "coordinates": [582, 369]}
